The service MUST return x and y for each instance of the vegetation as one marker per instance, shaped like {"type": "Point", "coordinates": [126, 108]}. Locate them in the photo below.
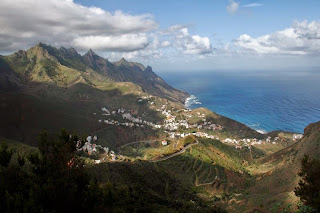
{"type": "Point", "coordinates": [309, 185]}
{"type": "Point", "coordinates": [52, 88]}
{"type": "Point", "coordinates": [54, 179]}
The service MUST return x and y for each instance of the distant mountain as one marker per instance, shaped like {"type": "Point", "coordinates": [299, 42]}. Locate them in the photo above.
{"type": "Point", "coordinates": [65, 67]}
{"type": "Point", "coordinates": [124, 71]}
{"type": "Point", "coordinates": [48, 88]}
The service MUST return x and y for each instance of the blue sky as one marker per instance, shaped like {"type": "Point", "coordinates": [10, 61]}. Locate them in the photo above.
{"type": "Point", "coordinates": [173, 35]}
{"type": "Point", "coordinates": [210, 17]}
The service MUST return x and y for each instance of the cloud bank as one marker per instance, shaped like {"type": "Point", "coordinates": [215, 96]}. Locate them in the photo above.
{"type": "Point", "coordinates": [192, 44]}
{"type": "Point", "coordinates": [24, 23]}
{"type": "Point", "coordinates": [63, 22]}
{"type": "Point", "coordinates": [301, 38]}
{"type": "Point", "coordinates": [66, 23]}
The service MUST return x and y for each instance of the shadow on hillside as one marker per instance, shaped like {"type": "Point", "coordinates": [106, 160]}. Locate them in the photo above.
{"type": "Point", "coordinates": [47, 107]}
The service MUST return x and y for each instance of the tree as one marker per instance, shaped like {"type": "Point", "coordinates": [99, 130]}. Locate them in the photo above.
{"type": "Point", "coordinates": [5, 155]}
{"type": "Point", "coordinates": [56, 181]}
{"type": "Point", "coordinates": [21, 160]}
{"type": "Point", "coordinates": [309, 185]}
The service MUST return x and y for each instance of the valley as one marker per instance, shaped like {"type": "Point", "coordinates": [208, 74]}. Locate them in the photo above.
{"type": "Point", "coordinates": [135, 131]}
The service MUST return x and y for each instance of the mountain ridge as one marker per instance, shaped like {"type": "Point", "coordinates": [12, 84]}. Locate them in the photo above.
{"type": "Point", "coordinates": [121, 71]}
{"type": "Point", "coordinates": [48, 88]}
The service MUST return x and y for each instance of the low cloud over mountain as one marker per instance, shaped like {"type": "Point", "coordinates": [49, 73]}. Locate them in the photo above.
{"type": "Point", "coordinates": [64, 22]}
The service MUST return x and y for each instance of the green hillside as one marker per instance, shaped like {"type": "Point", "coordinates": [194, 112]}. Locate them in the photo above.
{"type": "Point", "coordinates": [159, 152]}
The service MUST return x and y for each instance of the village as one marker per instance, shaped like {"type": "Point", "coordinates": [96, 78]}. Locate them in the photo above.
{"type": "Point", "coordinates": [94, 150]}
{"type": "Point", "coordinates": [173, 127]}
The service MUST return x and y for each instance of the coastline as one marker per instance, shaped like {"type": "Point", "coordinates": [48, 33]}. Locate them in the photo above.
{"type": "Point", "coordinates": [272, 101]}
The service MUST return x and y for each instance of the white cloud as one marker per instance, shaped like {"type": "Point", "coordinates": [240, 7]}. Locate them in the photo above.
{"type": "Point", "coordinates": [119, 43]}
{"type": "Point", "coordinates": [152, 51]}
{"type": "Point", "coordinates": [232, 7]}
{"type": "Point", "coordinates": [168, 44]}
{"type": "Point", "coordinates": [64, 22]}
{"type": "Point", "coordinates": [172, 29]}
{"type": "Point", "coordinates": [191, 44]}
{"type": "Point", "coordinates": [300, 39]}
{"type": "Point", "coordinates": [165, 44]}
{"type": "Point", "coordinates": [253, 5]}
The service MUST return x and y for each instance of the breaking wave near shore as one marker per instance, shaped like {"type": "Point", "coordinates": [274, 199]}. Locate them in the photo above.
{"type": "Point", "coordinates": [190, 101]}
{"type": "Point", "coordinates": [258, 128]}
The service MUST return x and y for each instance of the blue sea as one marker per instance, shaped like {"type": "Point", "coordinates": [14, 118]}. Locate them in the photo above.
{"type": "Point", "coordinates": [264, 100]}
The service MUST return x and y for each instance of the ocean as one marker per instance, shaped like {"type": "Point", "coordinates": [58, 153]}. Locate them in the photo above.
{"type": "Point", "coordinates": [265, 101]}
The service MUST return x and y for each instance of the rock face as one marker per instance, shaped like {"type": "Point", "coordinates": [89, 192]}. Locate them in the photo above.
{"type": "Point", "coordinates": [310, 143]}
{"type": "Point", "coordinates": [125, 71]}
{"type": "Point", "coordinates": [42, 62]}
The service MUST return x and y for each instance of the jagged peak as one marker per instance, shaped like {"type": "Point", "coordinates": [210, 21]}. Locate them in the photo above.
{"type": "Point", "coordinates": [39, 49]}
{"type": "Point", "coordinates": [62, 48]}
{"type": "Point", "coordinates": [21, 52]}
{"type": "Point", "coordinates": [40, 44]}
{"type": "Point", "coordinates": [123, 61]}
{"type": "Point", "coordinates": [148, 68]}
{"type": "Point", "coordinates": [90, 53]}
{"type": "Point", "coordinates": [70, 50]}
{"type": "Point", "coordinates": [44, 47]}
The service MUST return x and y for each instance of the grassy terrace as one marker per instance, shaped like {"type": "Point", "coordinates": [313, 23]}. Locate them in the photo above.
{"type": "Point", "coordinates": [149, 150]}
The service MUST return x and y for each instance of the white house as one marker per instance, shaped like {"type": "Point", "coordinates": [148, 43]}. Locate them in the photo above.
{"type": "Point", "coordinates": [89, 138]}
{"type": "Point", "coordinates": [164, 143]}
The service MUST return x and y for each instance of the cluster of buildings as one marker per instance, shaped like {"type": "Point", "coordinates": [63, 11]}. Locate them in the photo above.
{"type": "Point", "coordinates": [170, 122]}
{"type": "Point", "coordinates": [132, 121]}
{"type": "Point", "coordinates": [206, 125]}
{"type": "Point", "coordinates": [296, 137]}
{"type": "Point", "coordinates": [249, 142]}
{"type": "Point", "coordinates": [243, 142]}
{"type": "Point", "coordinates": [95, 149]}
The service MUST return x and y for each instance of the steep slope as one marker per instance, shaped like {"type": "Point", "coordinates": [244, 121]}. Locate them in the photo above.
{"type": "Point", "coordinates": [136, 73]}
{"type": "Point", "coordinates": [46, 88]}
{"type": "Point", "coordinates": [65, 67]}
{"type": "Point", "coordinates": [232, 128]}
{"type": "Point", "coordinates": [278, 174]}
{"type": "Point", "coordinates": [9, 81]}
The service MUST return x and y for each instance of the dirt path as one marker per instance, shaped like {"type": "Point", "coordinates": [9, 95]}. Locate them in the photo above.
{"type": "Point", "coordinates": [135, 142]}
{"type": "Point", "coordinates": [164, 158]}
{"type": "Point", "coordinates": [175, 154]}
{"type": "Point", "coordinates": [197, 178]}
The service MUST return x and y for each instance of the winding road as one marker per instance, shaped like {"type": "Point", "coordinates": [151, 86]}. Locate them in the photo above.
{"type": "Point", "coordinates": [135, 142]}
{"type": "Point", "coordinates": [164, 158]}
{"type": "Point", "coordinates": [176, 153]}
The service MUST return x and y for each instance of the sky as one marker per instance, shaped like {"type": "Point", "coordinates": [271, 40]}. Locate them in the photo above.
{"type": "Point", "coordinates": [184, 35]}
